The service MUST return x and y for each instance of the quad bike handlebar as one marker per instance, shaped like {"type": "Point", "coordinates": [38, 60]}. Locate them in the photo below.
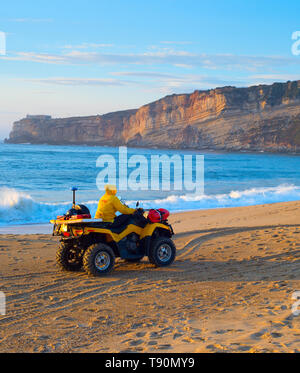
{"type": "Point", "coordinates": [140, 208]}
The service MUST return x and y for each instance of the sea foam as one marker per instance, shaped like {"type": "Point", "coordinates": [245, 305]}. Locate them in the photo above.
{"type": "Point", "coordinates": [17, 207]}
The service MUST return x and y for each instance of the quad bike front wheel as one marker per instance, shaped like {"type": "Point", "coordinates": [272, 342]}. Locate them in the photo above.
{"type": "Point", "coordinates": [162, 252]}
{"type": "Point", "coordinates": [98, 260]}
{"type": "Point", "coordinates": [67, 257]}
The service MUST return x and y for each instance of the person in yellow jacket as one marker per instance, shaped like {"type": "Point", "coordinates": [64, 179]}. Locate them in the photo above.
{"type": "Point", "coordinates": [109, 204]}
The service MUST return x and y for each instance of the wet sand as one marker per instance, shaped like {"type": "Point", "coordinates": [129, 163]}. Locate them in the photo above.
{"type": "Point", "coordinates": [229, 290]}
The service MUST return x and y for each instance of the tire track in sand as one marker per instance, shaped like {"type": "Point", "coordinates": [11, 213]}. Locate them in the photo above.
{"type": "Point", "coordinates": [194, 243]}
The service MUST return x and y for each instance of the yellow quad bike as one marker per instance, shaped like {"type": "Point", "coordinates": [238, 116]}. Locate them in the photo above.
{"type": "Point", "coordinates": [94, 244]}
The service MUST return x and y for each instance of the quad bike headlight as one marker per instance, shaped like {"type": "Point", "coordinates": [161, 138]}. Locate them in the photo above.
{"type": "Point", "coordinates": [64, 227]}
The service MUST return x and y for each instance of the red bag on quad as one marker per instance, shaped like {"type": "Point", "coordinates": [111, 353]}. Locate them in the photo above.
{"type": "Point", "coordinates": [158, 215]}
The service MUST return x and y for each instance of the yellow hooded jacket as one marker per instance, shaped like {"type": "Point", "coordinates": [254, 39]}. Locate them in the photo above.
{"type": "Point", "coordinates": [108, 205]}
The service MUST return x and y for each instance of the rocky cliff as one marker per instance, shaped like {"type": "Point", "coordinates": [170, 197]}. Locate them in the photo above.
{"type": "Point", "coordinates": [258, 118]}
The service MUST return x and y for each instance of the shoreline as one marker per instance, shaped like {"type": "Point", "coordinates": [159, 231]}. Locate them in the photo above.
{"type": "Point", "coordinates": [204, 151]}
{"type": "Point", "coordinates": [23, 229]}
{"type": "Point", "coordinates": [46, 228]}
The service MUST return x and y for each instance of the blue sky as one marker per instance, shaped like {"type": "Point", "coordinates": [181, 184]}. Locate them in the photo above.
{"type": "Point", "coordinates": [91, 57]}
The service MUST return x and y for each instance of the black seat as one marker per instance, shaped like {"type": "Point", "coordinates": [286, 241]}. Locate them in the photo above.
{"type": "Point", "coordinates": [120, 222]}
{"type": "Point", "coordinates": [117, 226]}
{"type": "Point", "coordinates": [101, 224]}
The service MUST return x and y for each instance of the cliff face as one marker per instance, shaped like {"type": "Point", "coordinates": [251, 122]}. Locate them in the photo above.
{"type": "Point", "coordinates": [41, 129]}
{"type": "Point", "coordinates": [265, 117]}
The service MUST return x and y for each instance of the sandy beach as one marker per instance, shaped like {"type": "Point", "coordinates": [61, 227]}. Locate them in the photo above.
{"type": "Point", "coordinates": [229, 290]}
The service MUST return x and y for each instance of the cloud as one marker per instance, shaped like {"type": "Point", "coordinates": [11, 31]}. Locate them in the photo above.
{"type": "Point", "coordinates": [36, 57]}
{"type": "Point", "coordinates": [88, 45]}
{"type": "Point", "coordinates": [177, 42]}
{"type": "Point", "coordinates": [172, 77]}
{"type": "Point", "coordinates": [80, 81]}
{"type": "Point", "coordinates": [182, 65]}
{"type": "Point", "coordinates": [164, 82]}
{"type": "Point", "coordinates": [143, 74]}
{"type": "Point", "coordinates": [149, 81]}
{"type": "Point", "coordinates": [166, 57]}
{"type": "Point", "coordinates": [275, 77]}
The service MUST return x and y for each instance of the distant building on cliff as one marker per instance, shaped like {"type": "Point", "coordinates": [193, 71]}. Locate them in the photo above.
{"type": "Point", "coordinates": [43, 117]}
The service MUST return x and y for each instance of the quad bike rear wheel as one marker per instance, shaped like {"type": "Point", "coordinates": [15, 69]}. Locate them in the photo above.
{"type": "Point", "coordinates": [67, 257]}
{"type": "Point", "coordinates": [162, 252]}
{"type": "Point", "coordinates": [98, 260]}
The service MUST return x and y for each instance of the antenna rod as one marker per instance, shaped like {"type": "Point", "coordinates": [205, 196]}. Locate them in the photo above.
{"type": "Point", "coordinates": [74, 190]}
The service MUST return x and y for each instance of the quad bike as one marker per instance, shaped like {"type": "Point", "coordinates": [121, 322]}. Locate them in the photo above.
{"type": "Point", "coordinates": [94, 244]}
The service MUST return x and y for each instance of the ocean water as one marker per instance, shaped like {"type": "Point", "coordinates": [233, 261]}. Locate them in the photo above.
{"type": "Point", "coordinates": [35, 181]}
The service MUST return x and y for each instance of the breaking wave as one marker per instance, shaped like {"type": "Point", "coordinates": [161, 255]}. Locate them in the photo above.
{"type": "Point", "coordinates": [20, 208]}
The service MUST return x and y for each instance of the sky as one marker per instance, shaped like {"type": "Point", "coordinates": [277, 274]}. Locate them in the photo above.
{"type": "Point", "coordinates": [72, 58]}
